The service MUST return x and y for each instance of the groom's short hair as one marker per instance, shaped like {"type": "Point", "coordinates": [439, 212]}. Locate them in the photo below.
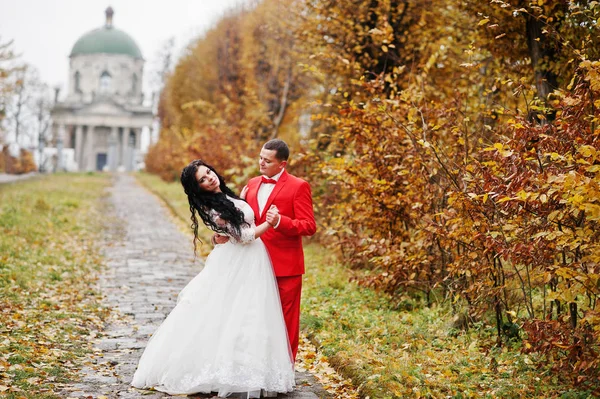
{"type": "Point", "coordinates": [282, 151]}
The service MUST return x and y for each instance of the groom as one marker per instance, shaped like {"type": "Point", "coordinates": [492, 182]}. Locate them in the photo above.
{"type": "Point", "coordinates": [292, 198]}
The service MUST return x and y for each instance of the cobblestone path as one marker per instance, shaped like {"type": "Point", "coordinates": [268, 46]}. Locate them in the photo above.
{"type": "Point", "coordinates": [6, 178]}
{"type": "Point", "coordinates": [149, 260]}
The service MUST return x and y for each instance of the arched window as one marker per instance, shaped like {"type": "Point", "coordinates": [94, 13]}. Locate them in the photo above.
{"type": "Point", "coordinates": [105, 79]}
{"type": "Point", "coordinates": [77, 82]}
{"type": "Point", "coordinates": [134, 84]}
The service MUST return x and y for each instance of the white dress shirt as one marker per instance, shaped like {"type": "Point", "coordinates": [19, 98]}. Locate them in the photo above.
{"type": "Point", "coordinates": [264, 191]}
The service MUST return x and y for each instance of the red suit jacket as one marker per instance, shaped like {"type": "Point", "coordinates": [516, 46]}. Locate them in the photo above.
{"type": "Point", "coordinates": [293, 198]}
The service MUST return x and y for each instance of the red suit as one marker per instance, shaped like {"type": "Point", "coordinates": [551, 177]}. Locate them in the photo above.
{"type": "Point", "coordinates": [292, 196]}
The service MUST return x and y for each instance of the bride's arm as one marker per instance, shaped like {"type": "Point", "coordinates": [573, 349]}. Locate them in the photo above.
{"type": "Point", "coordinates": [247, 233]}
{"type": "Point", "coordinates": [261, 229]}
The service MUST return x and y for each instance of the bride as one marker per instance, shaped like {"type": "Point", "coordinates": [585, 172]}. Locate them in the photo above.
{"type": "Point", "coordinates": [226, 334]}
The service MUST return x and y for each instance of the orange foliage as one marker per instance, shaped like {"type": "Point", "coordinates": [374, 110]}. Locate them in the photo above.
{"type": "Point", "coordinates": [452, 146]}
{"type": "Point", "coordinates": [13, 165]}
{"type": "Point", "coordinates": [445, 183]}
{"type": "Point", "coordinates": [232, 91]}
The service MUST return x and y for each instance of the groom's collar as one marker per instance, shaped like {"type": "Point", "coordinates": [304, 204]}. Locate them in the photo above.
{"type": "Point", "coordinates": [277, 176]}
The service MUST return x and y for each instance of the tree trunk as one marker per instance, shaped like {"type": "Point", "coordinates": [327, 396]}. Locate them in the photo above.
{"type": "Point", "coordinates": [282, 104]}
{"type": "Point", "coordinates": [573, 314]}
{"type": "Point", "coordinates": [541, 55]}
{"type": "Point", "coordinates": [17, 114]}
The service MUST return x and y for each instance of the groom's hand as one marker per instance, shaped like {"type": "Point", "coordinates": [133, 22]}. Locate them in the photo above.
{"type": "Point", "coordinates": [273, 216]}
{"type": "Point", "coordinates": [219, 239]}
{"type": "Point", "coordinates": [244, 192]}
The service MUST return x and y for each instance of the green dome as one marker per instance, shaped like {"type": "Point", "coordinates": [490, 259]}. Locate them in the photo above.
{"type": "Point", "coordinates": [107, 40]}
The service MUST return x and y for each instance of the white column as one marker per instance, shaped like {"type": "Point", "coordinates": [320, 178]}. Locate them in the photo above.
{"type": "Point", "coordinates": [113, 152]}
{"type": "Point", "coordinates": [151, 132]}
{"type": "Point", "coordinates": [78, 146]}
{"type": "Point", "coordinates": [90, 154]}
{"type": "Point", "coordinates": [129, 150]}
{"type": "Point", "coordinates": [123, 152]}
{"type": "Point", "coordinates": [60, 143]}
{"type": "Point", "coordinates": [136, 148]}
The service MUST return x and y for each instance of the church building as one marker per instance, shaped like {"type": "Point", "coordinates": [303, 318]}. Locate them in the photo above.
{"type": "Point", "coordinates": [102, 116]}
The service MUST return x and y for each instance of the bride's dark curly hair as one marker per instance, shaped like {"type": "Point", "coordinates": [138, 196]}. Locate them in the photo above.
{"type": "Point", "coordinates": [202, 202]}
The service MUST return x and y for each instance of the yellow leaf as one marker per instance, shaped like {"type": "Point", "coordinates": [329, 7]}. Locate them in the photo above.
{"type": "Point", "coordinates": [483, 21]}
{"type": "Point", "coordinates": [522, 195]}
{"type": "Point", "coordinates": [594, 168]}
{"type": "Point", "coordinates": [553, 215]}
{"type": "Point", "coordinates": [587, 151]}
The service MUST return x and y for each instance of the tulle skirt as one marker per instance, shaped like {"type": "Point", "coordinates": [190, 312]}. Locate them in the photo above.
{"type": "Point", "coordinates": [226, 334]}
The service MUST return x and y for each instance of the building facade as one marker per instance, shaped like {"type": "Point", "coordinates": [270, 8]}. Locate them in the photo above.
{"type": "Point", "coordinates": [102, 116]}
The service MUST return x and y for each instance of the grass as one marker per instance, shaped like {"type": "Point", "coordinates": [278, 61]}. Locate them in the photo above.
{"type": "Point", "coordinates": [49, 227]}
{"type": "Point", "coordinates": [391, 353]}
{"type": "Point", "coordinates": [398, 348]}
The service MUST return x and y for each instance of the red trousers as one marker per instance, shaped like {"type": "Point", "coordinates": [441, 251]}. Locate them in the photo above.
{"type": "Point", "coordinates": [290, 289]}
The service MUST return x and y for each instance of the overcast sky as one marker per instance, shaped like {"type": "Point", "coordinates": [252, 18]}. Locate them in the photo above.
{"type": "Point", "coordinates": [44, 31]}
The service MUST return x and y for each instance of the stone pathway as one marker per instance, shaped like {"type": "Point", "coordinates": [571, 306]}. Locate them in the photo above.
{"type": "Point", "coordinates": [6, 178]}
{"type": "Point", "coordinates": [149, 260]}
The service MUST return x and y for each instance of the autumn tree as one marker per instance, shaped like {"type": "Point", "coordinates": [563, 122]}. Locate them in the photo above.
{"type": "Point", "coordinates": [6, 69]}
{"type": "Point", "coordinates": [270, 55]}
{"type": "Point", "coordinates": [24, 110]}
{"type": "Point", "coordinates": [27, 109]}
{"type": "Point", "coordinates": [198, 100]}
{"type": "Point", "coordinates": [232, 91]}
{"type": "Point", "coordinates": [540, 39]}
{"type": "Point", "coordinates": [452, 147]}
{"type": "Point", "coordinates": [408, 167]}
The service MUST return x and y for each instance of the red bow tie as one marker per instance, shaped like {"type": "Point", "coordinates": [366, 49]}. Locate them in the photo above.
{"type": "Point", "coordinates": [268, 181]}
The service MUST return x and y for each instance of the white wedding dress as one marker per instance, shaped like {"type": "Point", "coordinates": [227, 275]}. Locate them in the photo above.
{"type": "Point", "coordinates": [226, 334]}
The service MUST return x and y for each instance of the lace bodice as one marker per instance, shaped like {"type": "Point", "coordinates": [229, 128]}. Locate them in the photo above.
{"type": "Point", "coordinates": [247, 231]}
